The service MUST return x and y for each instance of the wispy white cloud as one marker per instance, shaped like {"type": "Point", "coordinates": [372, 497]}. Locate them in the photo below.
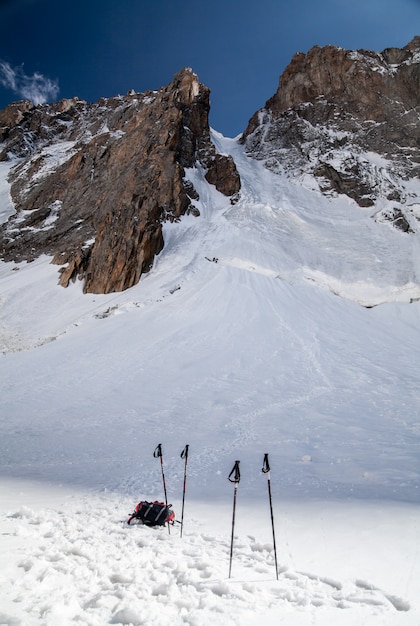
{"type": "Point", "coordinates": [37, 87]}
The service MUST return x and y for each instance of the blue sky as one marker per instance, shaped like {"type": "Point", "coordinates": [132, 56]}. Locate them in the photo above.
{"type": "Point", "coordinates": [239, 48]}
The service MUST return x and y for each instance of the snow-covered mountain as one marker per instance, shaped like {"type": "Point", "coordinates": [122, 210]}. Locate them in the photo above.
{"type": "Point", "coordinates": [286, 323]}
{"type": "Point", "coordinates": [248, 336]}
{"type": "Point", "coordinates": [92, 183]}
{"type": "Point", "coordinates": [349, 118]}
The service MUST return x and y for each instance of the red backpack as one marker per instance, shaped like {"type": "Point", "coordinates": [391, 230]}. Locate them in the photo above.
{"type": "Point", "coordinates": [152, 513]}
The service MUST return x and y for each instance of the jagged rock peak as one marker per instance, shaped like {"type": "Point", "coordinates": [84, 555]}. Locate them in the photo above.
{"type": "Point", "coordinates": [186, 85]}
{"type": "Point", "coordinates": [95, 182]}
{"type": "Point", "coordinates": [414, 44]}
{"type": "Point", "coordinates": [360, 78]}
{"type": "Point", "coordinates": [334, 106]}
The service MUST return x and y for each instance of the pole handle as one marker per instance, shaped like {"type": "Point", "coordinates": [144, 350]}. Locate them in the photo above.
{"type": "Point", "coordinates": [266, 464]}
{"type": "Point", "coordinates": [237, 474]}
{"type": "Point", "coordinates": [184, 453]}
{"type": "Point", "coordinates": [158, 451]}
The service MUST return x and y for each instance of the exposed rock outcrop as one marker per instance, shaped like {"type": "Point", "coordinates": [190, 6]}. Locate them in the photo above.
{"type": "Point", "coordinates": [334, 107]}
{"type": "Point", "coordinates": [96, 181]}
{"type": "Point", "coordinates": [222, 173]}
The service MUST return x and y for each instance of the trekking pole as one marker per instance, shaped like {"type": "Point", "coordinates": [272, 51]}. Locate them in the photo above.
{"type": "Point", "coordinates": [266, 470]}
{"type": "Point", "coordinates": [158, 454]}
{"type": "Point", "coordinates": [184, 455]}
{"type": "Point", "coordinates": [235, 480]}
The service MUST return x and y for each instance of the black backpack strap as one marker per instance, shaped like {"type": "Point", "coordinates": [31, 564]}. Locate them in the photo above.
{"type": "Point", "coordinates": [149, 508]}
{"type": "Point", "coordinates": [162, 510]}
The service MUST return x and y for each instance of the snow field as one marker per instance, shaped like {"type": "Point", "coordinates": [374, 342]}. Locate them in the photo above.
{"type": "Point", "coordinates": [82, 564]}
{"type": "Point", "coordinates": [266, 350]}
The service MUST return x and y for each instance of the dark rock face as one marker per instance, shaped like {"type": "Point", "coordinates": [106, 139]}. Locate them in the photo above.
{"type": "Point", "coordinates": [332, 108]}
{"type": "Point", "coordinates": [222, 173]}
{"type": "Point", "coordinates": [396, 218]}
{"type": "Point", "coordinates": [96, 181]}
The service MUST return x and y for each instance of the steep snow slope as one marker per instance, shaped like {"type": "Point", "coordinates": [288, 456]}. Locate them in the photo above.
{"type": "Point", "coordinates": [237, 344]}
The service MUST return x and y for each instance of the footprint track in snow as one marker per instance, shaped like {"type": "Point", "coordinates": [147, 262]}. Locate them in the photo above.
{"type": "Point", "coordinates": [95, 569]}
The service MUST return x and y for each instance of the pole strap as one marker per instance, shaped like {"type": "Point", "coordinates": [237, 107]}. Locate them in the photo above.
{"type": "Point", "coordinates": [236, 474]}
{"type": "Point", "coordinates": [184, 453]}
{"type": "Point", "coordinates": [158, 451]}
{"type": "Point", "coordinates": [266, 464]}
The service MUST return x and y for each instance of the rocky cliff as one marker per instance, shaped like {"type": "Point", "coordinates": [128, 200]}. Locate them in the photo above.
{"type": "Point", "coordinates": [94, 183]}
{"type": "Point", "coordinates": [333, 109]}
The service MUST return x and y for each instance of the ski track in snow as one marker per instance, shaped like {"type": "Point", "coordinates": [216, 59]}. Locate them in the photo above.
{"type": "Point", "coordinates": [84, 565]}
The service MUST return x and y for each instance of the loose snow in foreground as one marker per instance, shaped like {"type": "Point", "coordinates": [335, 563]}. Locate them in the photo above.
{"type": "Point", "coordinates": [251, 334]}
{"type": "Point", "coordinates": [82, 564]}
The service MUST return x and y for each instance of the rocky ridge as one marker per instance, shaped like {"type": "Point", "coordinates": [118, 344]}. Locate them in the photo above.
{"type": "Point", "coordinates": [94, 183]}
{"type": "Point", "coordinates": [333, 108]}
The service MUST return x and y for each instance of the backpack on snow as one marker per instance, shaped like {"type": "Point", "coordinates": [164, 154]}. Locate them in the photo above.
{"type": "Point", "coordinates": [152, 513]}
